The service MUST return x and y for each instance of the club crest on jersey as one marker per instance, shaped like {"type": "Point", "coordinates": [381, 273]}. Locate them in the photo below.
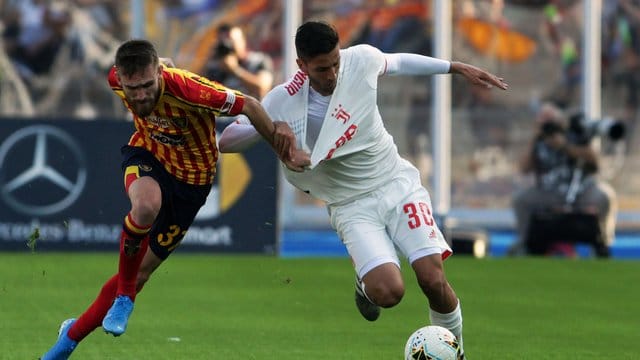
{"type": "Point", "coordinates": [179, 122]}
{"type": "Point", "coordinates": [341, 114]}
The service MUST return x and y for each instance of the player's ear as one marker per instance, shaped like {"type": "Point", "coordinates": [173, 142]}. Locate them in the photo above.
{"type": "Point", "coordinates": [117, 73]}
{"type": "Point", "coordinates": [302, 65]}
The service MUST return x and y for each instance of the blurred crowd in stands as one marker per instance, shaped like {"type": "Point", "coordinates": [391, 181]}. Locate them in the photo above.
{"type": "Point", "coordinates": [54, 55]}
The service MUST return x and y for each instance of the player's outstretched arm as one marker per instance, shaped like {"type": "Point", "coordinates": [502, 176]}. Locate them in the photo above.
{"type": "Point", "coordinates": [237, 137]}
{"type": "Point", "coordinates": [414, 64]}
{"type": "Point", "coordinates": [477, 76]}
{"type": "Point", "coordinates": [278, 134]}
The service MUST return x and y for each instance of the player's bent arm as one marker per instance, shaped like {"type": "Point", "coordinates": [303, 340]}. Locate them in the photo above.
{"type": "Point", "coordinates": [237, 137]}
{"type": "Point", "coordinates": [278, 134]}
{"type": "Point", "coordinates": [258, 117]}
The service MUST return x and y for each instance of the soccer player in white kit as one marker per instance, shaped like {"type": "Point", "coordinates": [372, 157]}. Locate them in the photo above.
{"type": "Point", "coordinates": [347, 158]}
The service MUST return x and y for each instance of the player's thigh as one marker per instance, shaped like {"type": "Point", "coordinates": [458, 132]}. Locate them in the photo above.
{"type": "Point", "coordinates": [143, 178]}
{"type": "Point", "coordinates": [364, 235]}
{"type": "Point", "coordinates": [369, 247]}
{"type": "Point", "coordinates": [175, 218]}
{"type": "Point", "coordinates": [413, 228]}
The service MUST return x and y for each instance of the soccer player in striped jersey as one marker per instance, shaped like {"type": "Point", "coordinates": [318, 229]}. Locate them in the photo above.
{"type": "Point", "coordinates": [169, 165]}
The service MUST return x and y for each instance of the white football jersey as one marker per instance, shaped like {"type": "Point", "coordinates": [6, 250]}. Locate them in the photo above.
{"type": "Point", "coordinates": [353, 154]}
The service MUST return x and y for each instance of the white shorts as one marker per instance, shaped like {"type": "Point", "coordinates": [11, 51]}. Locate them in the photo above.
{"type": "Point", "coordinates": [396, 215]}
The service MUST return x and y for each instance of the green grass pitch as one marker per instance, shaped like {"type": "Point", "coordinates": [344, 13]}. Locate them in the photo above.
{"type": "Point", "coordinates": [253, 307]}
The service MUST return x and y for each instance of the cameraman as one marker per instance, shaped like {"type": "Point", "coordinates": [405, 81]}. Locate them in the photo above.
{"type": "Point", "coordinates": [565, 169]}
{"type": "Point", "coordinates": [232, 63]}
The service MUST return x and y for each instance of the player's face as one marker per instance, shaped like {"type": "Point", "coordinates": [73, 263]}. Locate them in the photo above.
{"type": "Point", "coordinates": [322, 71]}
{"type": "Point", "coordinates": [142, 89]}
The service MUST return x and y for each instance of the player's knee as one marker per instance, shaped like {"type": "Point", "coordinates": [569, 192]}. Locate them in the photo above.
{"type": "Point", "coordinates": [146, 210]}
{"type": "Point", "coordinates": [387, 295]}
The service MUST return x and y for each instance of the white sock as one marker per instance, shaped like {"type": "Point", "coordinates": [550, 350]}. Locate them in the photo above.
{"type": "Point", "coordinates": [451, 321]}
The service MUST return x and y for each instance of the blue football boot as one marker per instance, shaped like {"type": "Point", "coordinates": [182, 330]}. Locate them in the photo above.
{"type": "Point", "coordinates": [115, 322]}
{"type": "Point", "coordinates": [64, 346]}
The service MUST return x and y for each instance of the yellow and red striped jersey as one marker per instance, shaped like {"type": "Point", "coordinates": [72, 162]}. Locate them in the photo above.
{"type": "Point", "coordinates": [181, 131]}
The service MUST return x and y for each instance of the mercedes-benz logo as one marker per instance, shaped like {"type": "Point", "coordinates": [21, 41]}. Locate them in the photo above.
{"type": "Point", "coordinates": [54, 177]}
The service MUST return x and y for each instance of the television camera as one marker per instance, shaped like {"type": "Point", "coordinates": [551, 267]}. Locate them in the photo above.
{"type": "Point", "coordinates": [583, 130]}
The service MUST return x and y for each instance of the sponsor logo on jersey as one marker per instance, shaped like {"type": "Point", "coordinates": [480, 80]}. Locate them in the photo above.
{"type": "Point", "coordinates": [348, 135]}
{"type": "Point", "coordinates": [296, 83]}
{"type": "Point", "coordinates": [173, 140]}
{"type": "Point", "coordinates": [179, 122]}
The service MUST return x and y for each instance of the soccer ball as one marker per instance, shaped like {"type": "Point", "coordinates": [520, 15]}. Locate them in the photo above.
{"type": "Point", "coordinates": [432, 343]}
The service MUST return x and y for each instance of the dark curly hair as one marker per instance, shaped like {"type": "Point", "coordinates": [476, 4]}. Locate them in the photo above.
{"type": "Point", "coordinates": [315, 38]}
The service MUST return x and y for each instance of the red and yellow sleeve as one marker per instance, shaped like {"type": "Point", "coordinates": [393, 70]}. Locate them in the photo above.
{"type": "Point", "coordinates": [202, 93]}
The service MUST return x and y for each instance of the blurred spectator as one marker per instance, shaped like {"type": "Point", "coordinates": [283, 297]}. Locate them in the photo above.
{"type": "Point", "coordinates": [186, 8]}
{"type": "Point", "coordinates": [58, 48]}
{"type": "Point", "coordinates": [234, 64]}
{"type": "Point", "coordinates": [563, 27]}
{"type": "Point", "coordinates": [267, 36]}
{"type": "Point", "coordinates": [565, 168]}
{"type": "Point", "coordinates": [35, 30]}
{"type": "Point", "coordinates": [106, 14]}
{"type": "Point", "coordinates": [621, 50]}
{"type": "Point", "coordinates": [173, 22]}
{"type": "Point", "coordinates": [396, 26]}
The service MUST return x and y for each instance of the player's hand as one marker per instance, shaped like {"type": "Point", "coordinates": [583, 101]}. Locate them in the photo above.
{"type": "Point", "coordinates": [478, 76]}
{"type": "Point", "coordinates": [283, 140]}
{"type": "Point", "coordinates": [230, 63]}
{"type": "Point", "coordinates": [298, 162]}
